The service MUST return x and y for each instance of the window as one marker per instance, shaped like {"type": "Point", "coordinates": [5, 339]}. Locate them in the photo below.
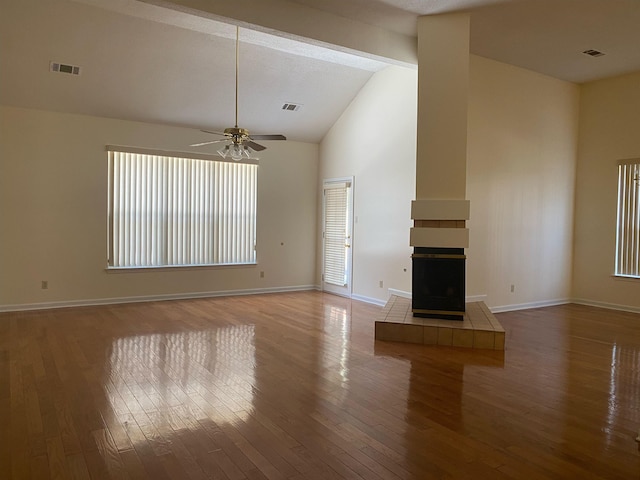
{"type": "Point", "coordinates": [628, 224]}
{"type": "Point", "coordinates": [168, 210]}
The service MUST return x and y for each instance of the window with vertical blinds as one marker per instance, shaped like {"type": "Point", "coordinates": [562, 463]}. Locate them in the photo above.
{"type": "Point", "coordinates": [628, 224]}
{"type": "Point", "coordinates": [168, 210]}
{"type": "Point", "coordinates": [335, 198]}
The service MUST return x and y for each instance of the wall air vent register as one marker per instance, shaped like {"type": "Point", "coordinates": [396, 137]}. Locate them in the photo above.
{"type": "Point", "coordinates": [593, 53]}
{"type": "Point", "coordinates": [64, 68]}
{"type": "Point", "coordinates": [291, 107]}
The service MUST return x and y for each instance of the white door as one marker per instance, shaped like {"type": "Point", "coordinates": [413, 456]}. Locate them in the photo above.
{"type": "Point", "coordinates": [337, 235]}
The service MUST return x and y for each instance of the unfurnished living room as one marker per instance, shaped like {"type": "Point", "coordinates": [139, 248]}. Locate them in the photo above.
{"type": "Point", "coordinates": [304, 239]}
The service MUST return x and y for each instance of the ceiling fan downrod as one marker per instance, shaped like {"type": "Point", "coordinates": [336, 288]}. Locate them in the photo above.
{"type": "Point", "coordinates": [237, 68]}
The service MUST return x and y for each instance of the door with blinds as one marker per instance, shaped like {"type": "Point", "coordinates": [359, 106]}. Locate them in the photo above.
{"type": "Point", "coordinates": [337, 236]}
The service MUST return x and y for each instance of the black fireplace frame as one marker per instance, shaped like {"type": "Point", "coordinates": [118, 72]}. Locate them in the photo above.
{"type": "Point", "coordinates": [438, 278]}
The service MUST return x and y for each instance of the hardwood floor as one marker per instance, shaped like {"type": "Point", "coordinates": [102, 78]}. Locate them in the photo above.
{"type": "Point", "coordinates": [293, 386]}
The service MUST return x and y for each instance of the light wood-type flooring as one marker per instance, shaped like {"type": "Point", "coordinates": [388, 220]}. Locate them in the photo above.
{"type": "Point", "coordinates": [293, 386]}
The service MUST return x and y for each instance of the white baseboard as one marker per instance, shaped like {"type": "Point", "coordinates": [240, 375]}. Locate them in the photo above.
{"type": "Point", "coordinates": [257, 291]}
{"type": "Point", "coordinates": [609, 306]}
{"type": "Point", "coordinates": [374, 301]}
{"type": "Point", "coordinates": [526, 306]}
{"type": "Point", "coordinates": [475, 298]}
{"type": "Point", "coordinates": [150, 298]}
{"type": "Point", "coordinates": [399, 293]}
{"type": "Point", "coordinates": [540, 304]}
{"type": "Point", "coordinates": [469, 299]}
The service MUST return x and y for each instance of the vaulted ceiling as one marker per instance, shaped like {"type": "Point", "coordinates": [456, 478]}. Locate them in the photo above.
{"type": "Point", "coordinates": [173, 62]}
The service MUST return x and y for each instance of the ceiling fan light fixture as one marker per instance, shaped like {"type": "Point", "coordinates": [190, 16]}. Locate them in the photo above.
{"type": "Point", "coordinates": [248, 151]}
{"type": "Point", "coordinates": [223, 152]}
{"type": "Point", "coordinates": [237, 152]}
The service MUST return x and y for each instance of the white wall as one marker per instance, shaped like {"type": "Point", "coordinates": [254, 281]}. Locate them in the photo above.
{"type": "Point", "coordinates": [53, 200]}
{"type": "Point", "coordinates": [609, 126]}
{"type": "Point", "coordinates": [375, 141]}
{"type": "Point", "coordinates": [523, 130]}
{"type": "Point", "coordinates": [522, 149]}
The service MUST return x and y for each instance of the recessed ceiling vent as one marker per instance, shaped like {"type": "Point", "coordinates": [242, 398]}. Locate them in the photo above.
{"type": "Point", "coordinates": [291, 107]}
{"type": "Point", "coordinates": [64, 68]}
{"type": "Point", "coordinates": [593, 53]}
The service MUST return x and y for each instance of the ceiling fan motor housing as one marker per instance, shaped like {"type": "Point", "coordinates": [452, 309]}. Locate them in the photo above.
{"type": "Point", "coordinates": [238, 134]}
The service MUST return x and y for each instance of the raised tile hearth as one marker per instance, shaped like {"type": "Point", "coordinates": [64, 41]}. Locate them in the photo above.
{"type": "Point", "coordinates": [478, 329]}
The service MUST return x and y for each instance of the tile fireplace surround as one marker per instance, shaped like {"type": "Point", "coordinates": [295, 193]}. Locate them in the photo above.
{"type": "Point", "coordinates": [479, 329]}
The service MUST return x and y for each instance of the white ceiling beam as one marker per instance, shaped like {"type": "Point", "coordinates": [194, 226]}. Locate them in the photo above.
{"type": "Point", "coordinates": [303, 23]}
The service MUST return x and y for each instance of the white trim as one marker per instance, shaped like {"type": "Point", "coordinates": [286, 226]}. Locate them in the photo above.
{"type": "Point", "coordinates": [155, 268]}
{"type": "Point", "coordinates": [526, 306]}
{"type": "Point", "coordinates": [374, 301]}
{"type": "Point", "coordinates": [349, 184]}
{"type": "Point", "coordinates": [609, 306]}
{"type": "Point", "coordinates": [150, 298]}
{"type": "Point", "coordinates": [625, 278]}
{"type": "Point", "coordinates": [399, 293]}
{"type": "Point", "coordinates": [468, 299]}
{"type": "Point", "coordinates": [299, 288]}
{"type": "Point", "coordinates": [475, 298]}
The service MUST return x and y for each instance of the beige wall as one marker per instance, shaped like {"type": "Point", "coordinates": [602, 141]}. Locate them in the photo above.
{"type": "Point", "coordinates": [53, 213]}
{"type": "Point", "coordinates": [520, 181]}
{"type": "Point", "coordinates": [609, 126]}
{"type": "Point", "coordinates": [523, 130]}
{"type": "Point", "coordinates": [522, 150]}
{"type": "Point", "coordinates": [375, 141]}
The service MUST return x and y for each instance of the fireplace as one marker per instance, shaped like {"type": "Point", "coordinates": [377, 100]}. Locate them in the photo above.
{"type": "Point", "coordinates": [438, 289]}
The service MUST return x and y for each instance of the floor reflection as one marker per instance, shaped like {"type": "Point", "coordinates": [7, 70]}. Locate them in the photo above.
{"type": "Point", "coordinates": [216, 365]}
{"type": "Point", "coordinates": [335, 356]}
{"type": "Point", "coordinates": [624, 384]}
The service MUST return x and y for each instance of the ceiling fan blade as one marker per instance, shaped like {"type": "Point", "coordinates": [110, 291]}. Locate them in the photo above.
{"type": "Point", "coordinates": [201, 144]}
{"type": "Point", "coordinates": [267, 137]}
{"type": "Point", "coordinates": [256, 146]}
{"type": "Point", "coordinates": [214, 133]}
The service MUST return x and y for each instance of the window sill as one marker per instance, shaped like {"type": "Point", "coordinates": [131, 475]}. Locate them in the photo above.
{"type": "Point", "coordinates": [625, 278]}
{"type": "Point", "coordinates": [174, 268]}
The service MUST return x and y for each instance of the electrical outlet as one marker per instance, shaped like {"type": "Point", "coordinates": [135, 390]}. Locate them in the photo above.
{"type": "Point", "coordinates": [381, 284]}
{"type": "Point", "coordinates": [261, 274]}
{"type": "Point", "coordinates": [44, 285]}
{"type": "Point", "coordinates": [513, 288]}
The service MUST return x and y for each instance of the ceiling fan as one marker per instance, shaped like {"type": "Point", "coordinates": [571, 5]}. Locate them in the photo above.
{"type": "Point", "coordinates": [242, 143]}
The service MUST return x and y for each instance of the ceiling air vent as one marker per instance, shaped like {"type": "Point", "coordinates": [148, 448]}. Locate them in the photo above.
{"type": "Point", "coordinates": [593, 53]}
{"type": "Point", "coordinates": [64, 68]}
{"type": "Point", "coordinates": [291, 107]}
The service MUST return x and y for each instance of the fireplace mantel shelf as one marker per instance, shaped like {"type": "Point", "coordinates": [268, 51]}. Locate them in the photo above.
{"type": "Point", "coordinates": [478, 329]}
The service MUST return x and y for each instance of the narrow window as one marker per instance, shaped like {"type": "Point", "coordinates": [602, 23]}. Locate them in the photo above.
{"type": "Point", "coordinates": [168, 210]}
{"type": "Point", "coordinates": [628, 224]}
{"type": "Point", "coordinates": [335, 232]}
